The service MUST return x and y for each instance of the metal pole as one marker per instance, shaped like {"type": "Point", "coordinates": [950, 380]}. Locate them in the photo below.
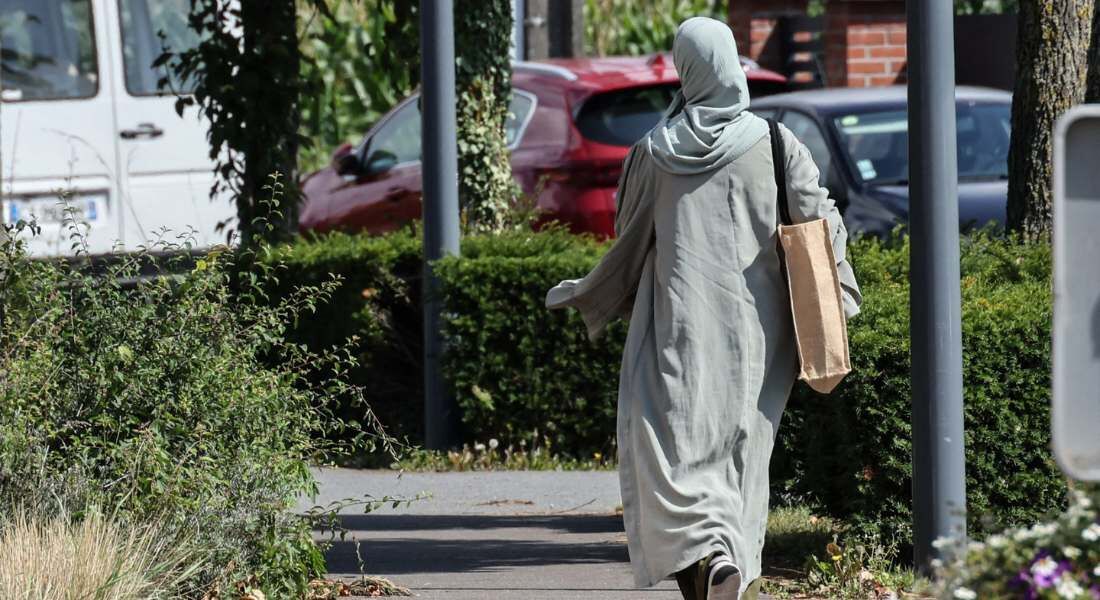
{"type": "Point", "coordinates": [440, 206]}
{"type": "Point", "coordinates": [519, 43]}
{"type": "Point", "coordinates": [939, 468]}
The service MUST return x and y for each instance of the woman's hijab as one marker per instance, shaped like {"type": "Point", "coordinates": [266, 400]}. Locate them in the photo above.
{"type": "Point", "coordinates": [708, 124]}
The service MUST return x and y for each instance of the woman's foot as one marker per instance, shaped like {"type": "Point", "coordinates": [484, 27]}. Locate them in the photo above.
{"type": "Point", "coordinates": [723, 579]}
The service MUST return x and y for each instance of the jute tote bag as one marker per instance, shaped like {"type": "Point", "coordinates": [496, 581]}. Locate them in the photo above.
{"type": "Point", "coordinates": [820, 328]}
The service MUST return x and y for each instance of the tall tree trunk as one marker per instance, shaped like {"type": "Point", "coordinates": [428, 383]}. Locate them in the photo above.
{"type": "Point", "coordinates": [1051, 58]}
{"type": "Point", "coordinates": [1092, 83]}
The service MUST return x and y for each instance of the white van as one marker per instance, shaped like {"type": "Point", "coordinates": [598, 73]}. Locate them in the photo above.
{"type": "Point", "coordinates": [82, 114]}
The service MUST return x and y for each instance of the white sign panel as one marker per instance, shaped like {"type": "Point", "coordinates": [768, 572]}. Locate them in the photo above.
{"type": "Point", "coordinates": [1076, 410]}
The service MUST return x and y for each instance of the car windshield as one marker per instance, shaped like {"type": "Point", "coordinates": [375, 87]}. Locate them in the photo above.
{"type": "Point", "coordinates": [622, 117]}
{"type": "Point", "coordinates": [877, 143]}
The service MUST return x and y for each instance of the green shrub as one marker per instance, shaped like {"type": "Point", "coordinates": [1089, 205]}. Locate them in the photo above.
{"type": "Point", "coordinates": [525, 374]}
{"type": "Point", "coordinates": [378, 302]}
{"type": "Point", "coordinates": [176, 402]}
{"type": "Point", "coordinates": [851, 451]}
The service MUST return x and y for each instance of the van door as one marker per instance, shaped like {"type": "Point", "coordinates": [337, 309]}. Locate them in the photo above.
{"type": "Point", "coordinates": [164, 159]}
{"type": "Point", "coordinates": [57, 124]}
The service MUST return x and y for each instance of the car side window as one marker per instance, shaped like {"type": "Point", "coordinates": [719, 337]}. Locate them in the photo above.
{"type": "Point", "coordinates": [399, 137]}
{"type": "Point", "coordinates": [806, 130]}
{"type": "Point", "coordinates": [519, 111]}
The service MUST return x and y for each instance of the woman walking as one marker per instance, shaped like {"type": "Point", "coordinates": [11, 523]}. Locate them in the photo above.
{"type": "Point", "coordinates": [710, 356]}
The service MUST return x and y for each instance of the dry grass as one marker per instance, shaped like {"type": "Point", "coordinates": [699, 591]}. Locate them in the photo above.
{"type": "Point", "coordinates": [91, 558]}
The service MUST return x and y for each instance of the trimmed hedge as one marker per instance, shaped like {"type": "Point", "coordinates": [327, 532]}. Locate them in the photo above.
{"type": "Point", "coordinates": [521, 372]}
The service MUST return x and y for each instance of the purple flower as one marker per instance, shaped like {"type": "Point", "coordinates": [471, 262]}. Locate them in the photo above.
{"type": "Point", "coordinates": [1023, 582]}
{"type": "Point", "coordinates": [1045, 571]}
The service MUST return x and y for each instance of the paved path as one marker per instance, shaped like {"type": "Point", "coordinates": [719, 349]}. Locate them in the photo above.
{"type": "Point", "coordinates": [484, 536]}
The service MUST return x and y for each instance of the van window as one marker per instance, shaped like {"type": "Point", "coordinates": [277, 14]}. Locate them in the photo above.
{"type": "Point", "coordinates": [148, 28]}
{"type": "Point", "coordinates": [48, 50]}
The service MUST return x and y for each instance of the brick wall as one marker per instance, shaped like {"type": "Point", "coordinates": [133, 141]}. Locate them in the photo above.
{"type": "Point", "coordinates": [865, 43]}
{"type": "Point", "coordinates": [754, 27]}
{"type": "Point", "coordinates": [864, 40]}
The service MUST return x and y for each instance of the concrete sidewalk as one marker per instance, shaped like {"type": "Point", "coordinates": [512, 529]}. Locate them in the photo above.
{"type": "Point", "coordinates": [512, 535]}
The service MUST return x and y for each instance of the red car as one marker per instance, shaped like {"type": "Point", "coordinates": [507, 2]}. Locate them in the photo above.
{"type": "Point", "coordinates": [571, 124]}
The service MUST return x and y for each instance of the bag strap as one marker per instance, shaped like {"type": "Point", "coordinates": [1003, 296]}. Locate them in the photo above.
{"type": "Point", "coordinates": [779, 161]}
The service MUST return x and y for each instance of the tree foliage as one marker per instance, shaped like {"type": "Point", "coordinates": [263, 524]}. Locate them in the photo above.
{"type": "Point", "coordinates": [629, 27]}
{"type": "Point", "coordinates": [245, 72]}
{"type": "Point", "coordinates": [358, 61]}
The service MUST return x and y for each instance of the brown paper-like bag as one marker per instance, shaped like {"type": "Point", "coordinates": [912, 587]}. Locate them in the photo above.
{"type": "Point", "coordinates": [820, 327]}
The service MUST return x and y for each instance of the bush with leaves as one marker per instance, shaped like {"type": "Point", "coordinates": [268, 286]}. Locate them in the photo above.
{"type": "Point", "coordinates": [176, 401]}
{"type": "Point", "coordinates": [522, 373]}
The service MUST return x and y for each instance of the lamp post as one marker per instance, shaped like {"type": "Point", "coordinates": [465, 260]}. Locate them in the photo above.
{"type": "Point", "coordinates": [440, 206]}
{"type": "Point", "coordinates": [939, 468]}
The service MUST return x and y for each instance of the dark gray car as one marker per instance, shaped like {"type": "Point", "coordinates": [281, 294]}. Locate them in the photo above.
{"type": "Point", "coordinates": [859, 140]}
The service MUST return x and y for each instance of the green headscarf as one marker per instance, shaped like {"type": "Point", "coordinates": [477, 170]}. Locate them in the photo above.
{"type": "Point", "coordinates": [707, 124]}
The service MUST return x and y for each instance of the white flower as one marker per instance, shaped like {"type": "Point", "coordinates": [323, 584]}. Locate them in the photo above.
{"type": "Point", "coordinates": [1068, 587]}
{"type": "Point", "coordinates": [1045, 529]}
{"type": "Point", "coordinates": [975, 546]}
{"type": "Point", "coordinates": [479, 447]}
{"type": "Point", "coordinates": [1096, 571]}
{"type": "Point", "coordinates": [1071, 552]}
{"type": "Point", "coordinates": [997, 541]}
{"type": "Point", "coordinates": [1091, 533]}
{"type": "Point", "coordinates": [965, 594]}
{"type": "Point", "coordinates": [1021, 535]}
{"type": "Point", "coordinates": [493, 443]}
{"type": "Point", "coordinates": [937, 564]}
{"type": "Point", "coordinates": [941, 542]}
{"type": "Point", "coordinates": [1044, 567]}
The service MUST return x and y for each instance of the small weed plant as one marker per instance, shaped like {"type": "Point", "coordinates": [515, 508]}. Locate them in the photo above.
{"type": "Point", "coordinates": [492, 457]}
{"type": "Point", "coordinates": [806, 558]}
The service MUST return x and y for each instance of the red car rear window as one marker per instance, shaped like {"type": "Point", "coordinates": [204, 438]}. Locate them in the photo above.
{"type": "Point", "coordinates": [622, 117]}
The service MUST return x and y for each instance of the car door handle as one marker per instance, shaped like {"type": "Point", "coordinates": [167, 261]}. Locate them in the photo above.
{"type": "Point", "coordinates": [146, 130]}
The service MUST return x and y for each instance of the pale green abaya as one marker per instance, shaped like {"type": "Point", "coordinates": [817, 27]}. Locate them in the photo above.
{"type": "Point", "coordinates": [710, 359]}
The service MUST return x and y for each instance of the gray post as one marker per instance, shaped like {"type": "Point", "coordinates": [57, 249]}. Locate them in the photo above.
{"type": "Point", "coordinates": [939, 484]}
{"type": "Point", "coordinates": [440, 205]}
{"type": "Point", "coordinates": [519, 42]}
